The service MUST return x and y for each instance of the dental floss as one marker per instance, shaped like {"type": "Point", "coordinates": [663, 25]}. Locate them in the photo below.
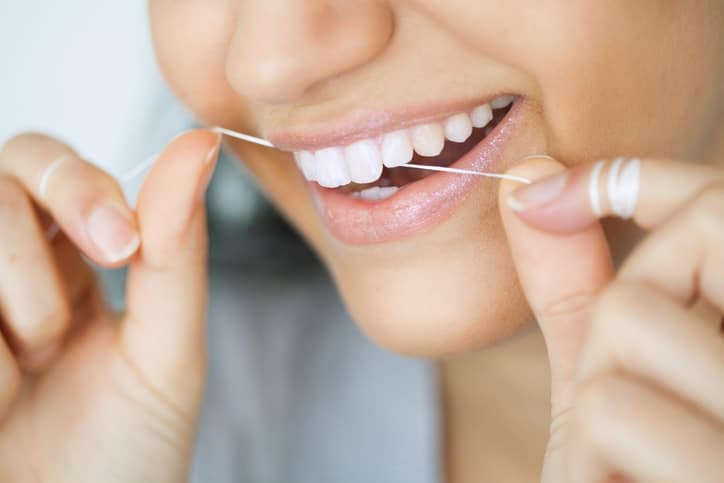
{"type": "Point", "coordinates": [142, 167]}
{"type": "Point", "coordinates": [622, 187]}
{"type": "Point", "coordinates": [243, 137]}
{"type": "Point", "coordinates": [138, 169]}
{"type": "Point", "coordinates": [445, 169]}
{"type": "Point", "coordinates": [264, 142]}
{"type": "Point", "coordinates": [623, 190]}
{"type": "Point", "coordinates": [43, 185]}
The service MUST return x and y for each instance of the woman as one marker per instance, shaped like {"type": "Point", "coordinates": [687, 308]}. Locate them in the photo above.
{"type": "Point", "coordinates": [426, 264]}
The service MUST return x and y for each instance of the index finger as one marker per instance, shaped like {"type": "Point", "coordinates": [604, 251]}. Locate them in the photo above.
{"type": "Point", "coordinates": [86, 202]}
{"type": "Point", "coordinates": [647, 190]}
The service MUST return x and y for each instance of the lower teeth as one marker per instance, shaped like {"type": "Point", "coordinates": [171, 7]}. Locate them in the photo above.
{"type": "Point", "coordinates": [376, 193]}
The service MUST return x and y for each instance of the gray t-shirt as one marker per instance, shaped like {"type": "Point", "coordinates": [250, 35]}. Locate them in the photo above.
{"type": "Point", "coordinates": [297, 394]}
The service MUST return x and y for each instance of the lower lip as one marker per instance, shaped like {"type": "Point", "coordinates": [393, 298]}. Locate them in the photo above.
{"type": "Point", "coordinates": [417, 206]}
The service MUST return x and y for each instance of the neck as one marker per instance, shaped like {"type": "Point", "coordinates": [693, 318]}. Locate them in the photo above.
{"type": "Point", "coordinates": [490, 398]}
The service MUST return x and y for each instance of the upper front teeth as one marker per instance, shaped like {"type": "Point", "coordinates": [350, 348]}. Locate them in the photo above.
{"type": "Point", "coordinates": [396, 149]}
{"type": "Point", "coordinates": [428, 139]}
{"type": "Point", "coordinates": [481, 115]}
{"type": "Point", "coordinates": [458, 128]}
{"type": "Point", "coordinates": [362, 161]}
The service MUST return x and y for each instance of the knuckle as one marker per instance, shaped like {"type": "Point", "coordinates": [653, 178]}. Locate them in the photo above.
{"type": "Point", "coordinates": [87, 180]}
{"type": "Point", "coordinates": [622, 311]}
{"type": "Point", "coordinates": [620, 302]}
{"type": "Point", "coordinates": [24, 139]}
{"type": "Point", "coordinates": [22, 143]}
{"type": "Point", "coordinates": [597, 403]}
{"type": "Point", "coordinates": [44, 328]}
{"type": "Point", "coordinates": [707, 211]}
{"type": "Point", "coordinates": [590, 403]}
{"type": "Point", "coordinates": [13, 199]}
{"type": "Point", "coordinates": [573, 305]}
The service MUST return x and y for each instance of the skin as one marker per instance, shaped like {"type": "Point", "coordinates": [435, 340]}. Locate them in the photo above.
{"type": "Point", "coordinates": [625, 349]}
{"type": "Point", "coordinates": [261, 67]}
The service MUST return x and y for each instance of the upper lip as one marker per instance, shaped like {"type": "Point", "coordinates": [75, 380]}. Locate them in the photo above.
{"type": "Point", "coordinates": [365, 124]}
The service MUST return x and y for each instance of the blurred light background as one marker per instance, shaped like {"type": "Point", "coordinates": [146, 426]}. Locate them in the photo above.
{"type": "Point", "coordinates": [84, 71]}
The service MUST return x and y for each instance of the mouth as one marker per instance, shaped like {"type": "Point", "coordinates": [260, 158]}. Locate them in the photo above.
{"type": "Point", "coordinates": [366, 195]}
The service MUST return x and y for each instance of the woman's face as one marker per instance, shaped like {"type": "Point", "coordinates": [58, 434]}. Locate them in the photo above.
{"type": "Point", "coordinates": [346, 84]}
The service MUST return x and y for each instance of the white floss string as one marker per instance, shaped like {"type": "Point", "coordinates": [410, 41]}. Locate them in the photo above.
{"type": "Point", "coordinates": [243, 137]}
{"type": "Point", "coordinates": [43, 185]}
{"type": "Point", "coordinates": [623, 190]}
{"type": "Point", "coordinates": [622, 187]}
{"type": "Point", "coordinates": [444, 169]}
{"type": "Point", "coordinates": [264, 142]}
{"type": "Point", "coordinates": [142, 167]}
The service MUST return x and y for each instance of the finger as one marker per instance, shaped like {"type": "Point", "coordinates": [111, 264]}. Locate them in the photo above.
{"type": "Point", "coordinates": [77, 275]}
{"type": "Point", "coordinates": [560, 276]}
{"type": "Point", "coordinates": [618, 423]}
{"type": "Point", "coordinates": [638, 329]}
{"type": "Point", "coordinates": [87, 203]}
{"type": "Point", "coordinates": [164, 332]}
{"type": "Point", "coordinates": [695, 235]}
{"type": "Point", "coordinates": [9, 378]}
{"type": "Point", "coordinates": [648, 190]}
{"type": "Point", "coordinates": [33, 300]}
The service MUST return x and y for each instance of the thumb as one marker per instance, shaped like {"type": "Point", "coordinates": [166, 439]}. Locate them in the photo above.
{"type": "Point", "coordinates": [164, 328]}
{"type": "Point", "coordinates": [560, 274]}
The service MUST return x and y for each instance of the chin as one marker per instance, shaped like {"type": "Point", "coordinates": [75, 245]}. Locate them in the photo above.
{"type": "Point", "coordinates": [439, 323]}
{"type": "Point", "coordinates": [420, 259]}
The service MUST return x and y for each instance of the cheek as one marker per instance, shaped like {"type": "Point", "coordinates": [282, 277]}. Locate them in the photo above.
{"type": "Point", "coordinates": [192, 38]}
{"type": "Point", "coordinates": [611, 78]}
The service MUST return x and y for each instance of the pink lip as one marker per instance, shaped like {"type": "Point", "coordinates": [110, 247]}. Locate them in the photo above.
{"type": "Point", "coordinates": [419, 205]}
{"type": "Point", "coordinates": [369, 124]}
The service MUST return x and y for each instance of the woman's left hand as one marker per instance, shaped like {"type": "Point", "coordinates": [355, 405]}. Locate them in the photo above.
{"type": "Point", "coordinates": [637, 375]}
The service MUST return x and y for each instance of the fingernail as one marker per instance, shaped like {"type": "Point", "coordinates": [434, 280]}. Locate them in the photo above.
{"type": "Point", "coordinates": [112, 231]}
{"type": "Point", "coordinates": [537, 194]}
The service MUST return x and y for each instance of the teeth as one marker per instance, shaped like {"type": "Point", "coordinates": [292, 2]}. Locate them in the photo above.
{"type": "Point", "coordinates": [458, 128]}
{"type": "Point", "coordinates": [481, 115]}
{"type": "Point", "coordinates": [364, 161]}
{"type": "Point", "coordinates": [396, 149]}
{"type": "Point", "coordinates": [377, 193]}
{"type": "Point", "coordinates": [307, 164]}
{"type": "Point", "coordinates": [428, 139]}
{"type": "Point", "coordinates": [331, 169]}
{"type": "Point", "coordinates": [501, 102]}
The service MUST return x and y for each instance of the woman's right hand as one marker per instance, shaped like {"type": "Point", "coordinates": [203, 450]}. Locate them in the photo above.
{"type": "Point", "coordinates": [636, 355]}
{"type": "Point", "coordinates": [87, 395]}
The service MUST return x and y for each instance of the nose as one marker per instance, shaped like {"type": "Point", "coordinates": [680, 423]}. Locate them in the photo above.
{"type": "Point", "coordinates": [283, 48]}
